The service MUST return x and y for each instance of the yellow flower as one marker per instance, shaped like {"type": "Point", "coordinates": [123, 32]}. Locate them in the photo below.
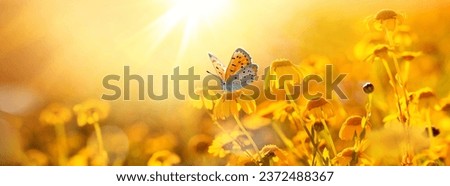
{"type": "Point", "coordinates": [445, 108]}
{"type": "Point", "coordinates": [353, 156]}
{"type": "Point", "coordinates": [379, 52]}
{"type": "Point", "coordinates": [444, 105]}
{"type": "Point", "coordinates": [230, 103]}
{"type": "Point", "coordinates": [287, 113]}
{"type": "Point", "coordinates": [225, 144]}
{"type": "Point", "coordinates": [199, 143]}
{"type": "Point", "coordinates": [424, 98]}
{"type": "Point", "coordinates": [286, 75]}
{"type": "Point", "coordinates": [352, 125]}
{"type": "Point", "coordinates": [55, 114]}
{"type": "Point", "coordinates": [272, 155]}
{"type": "Point", "coordinates": [280, 111]}
{"type": "Point", "coordinates": [164, 158]}
{"type": "Point", "coordinates": [91, 111]}
{"type": "Point", "coordinates": [204, 100]}
{"type": "Point", "coordinates": [197, 150]}
{"type": "Point", "coordinates": [409, 56]}
{"type": "Point", "coordinates": [319, 109]}
{"type": "Point", "coordinates": [386, 20]}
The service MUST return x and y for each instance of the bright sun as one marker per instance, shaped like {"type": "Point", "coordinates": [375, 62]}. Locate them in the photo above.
{"type": "Point", "coordinates": [197, 9]}
{"type": "Point", "coordinates": [190, 15]}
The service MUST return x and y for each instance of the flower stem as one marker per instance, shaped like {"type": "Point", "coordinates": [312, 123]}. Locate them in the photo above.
{"type": "Point", "coordinates": [391, 82]}
{"type": "Point", "coordinates": [289, 144]}
{"type": "Point", "coordinates": [234, 139]}
{"type": "Point", "coordinates": [328, 138]}
{"type": "Point", "coordinates": [430, 129]}
{"type": "Point", "coordinates": [315, 145]}
{"type": "Point", "coordinates": [101, 147]}
{"type": "Point", "coordinates": [390, 38]}
{"type": "Point", "coordinates": [369, 106]}
{"type": "Point", "coordinates": [402, 86]}
{"type": "Point", "coordinates": [407, 123]}
{"type": "Point", "coordinates": [62, 143]}
{"type": "Point", "coordinates": [365, 121]}
{"type": "Point", "coordinates": [241, 126]}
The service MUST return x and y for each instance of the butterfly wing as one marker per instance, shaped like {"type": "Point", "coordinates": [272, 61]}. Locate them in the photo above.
{"type": "Point", "coordinates": [243, 77]}
{"type": "Point", "coordinates": [218, 66]}
{"type": "Point", "coordinates": [239, 60]}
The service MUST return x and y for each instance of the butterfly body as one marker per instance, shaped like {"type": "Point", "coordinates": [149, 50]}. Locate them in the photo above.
{"type": "Point", "coordinates": [241, 70]}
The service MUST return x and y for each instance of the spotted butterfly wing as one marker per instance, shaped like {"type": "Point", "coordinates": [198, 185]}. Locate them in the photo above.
{"type": "Point", "coordinates": [218, 66]}
{"type": "Point", "coordinates": [239, 73]}
{"type": "Point", "coordinates": [239, 60]}
{"type": "Point", "coordinates": [241, 78]}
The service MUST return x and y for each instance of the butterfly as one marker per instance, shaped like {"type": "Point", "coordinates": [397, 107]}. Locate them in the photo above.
{"type": "Point", "coordinates": [241, 70]}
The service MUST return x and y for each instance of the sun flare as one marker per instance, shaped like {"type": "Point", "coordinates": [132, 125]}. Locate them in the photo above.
{"type": "Point", "coordinates": [185, 17]}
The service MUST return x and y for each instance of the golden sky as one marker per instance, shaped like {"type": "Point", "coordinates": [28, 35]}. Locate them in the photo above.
{"type": "Point", "coordinates": [62, 49]}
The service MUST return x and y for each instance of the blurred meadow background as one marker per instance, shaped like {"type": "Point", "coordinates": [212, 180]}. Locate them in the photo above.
{"type": "Point", "coordinates": [55, 54]}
